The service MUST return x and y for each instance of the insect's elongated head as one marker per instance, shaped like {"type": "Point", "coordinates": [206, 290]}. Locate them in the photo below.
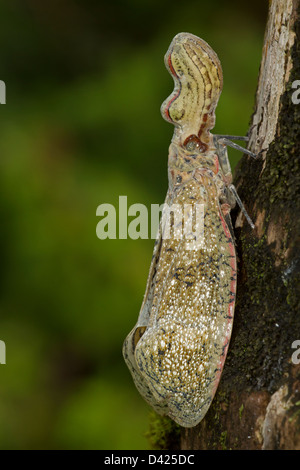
{"type": "Point", "coordinates": [198, 79]}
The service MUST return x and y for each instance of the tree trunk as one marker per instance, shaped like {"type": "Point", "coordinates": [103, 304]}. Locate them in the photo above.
{"type": "Point", "coordinates": [257, 405]}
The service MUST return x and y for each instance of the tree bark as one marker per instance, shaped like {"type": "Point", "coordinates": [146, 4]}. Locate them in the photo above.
{"type": "Point", "coordinates": [257, 405]}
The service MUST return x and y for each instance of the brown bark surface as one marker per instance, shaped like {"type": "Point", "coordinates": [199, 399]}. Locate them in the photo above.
{"type": "Point", "coordinates": [257, 405]}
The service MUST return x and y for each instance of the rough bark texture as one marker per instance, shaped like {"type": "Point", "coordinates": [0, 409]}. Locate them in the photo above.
{"type": "Point", "coordinates": [257, 405]}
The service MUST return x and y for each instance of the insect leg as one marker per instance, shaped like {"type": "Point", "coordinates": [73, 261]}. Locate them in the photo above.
{"type": "Point", "coordinates": [242, 207]}
{"type": "Point", "coordinates": [231, 137]}
{"type": "Point", "coordinates": [228, 142]}
{"type": "Point", "coordinates": [221, 142]}
{"type": "Point", "coordinates": [221, 147]}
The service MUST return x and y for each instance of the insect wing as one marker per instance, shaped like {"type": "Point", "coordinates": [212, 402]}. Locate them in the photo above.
{"type": "Point", "coordinates": [182, 352]}
{"type": "Point", "coordinates": [139, 329]}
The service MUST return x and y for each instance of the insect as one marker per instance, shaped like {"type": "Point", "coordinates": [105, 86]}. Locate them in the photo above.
{"type": "Point", "coordinates": [176, 350]}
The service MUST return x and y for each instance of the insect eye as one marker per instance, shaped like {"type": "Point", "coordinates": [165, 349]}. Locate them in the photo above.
{"type": "Point", "coordinates": [193, 143]}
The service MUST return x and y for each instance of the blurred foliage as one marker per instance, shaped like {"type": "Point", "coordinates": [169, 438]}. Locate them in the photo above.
{"type": "Point", "coordinates": [85, 81]}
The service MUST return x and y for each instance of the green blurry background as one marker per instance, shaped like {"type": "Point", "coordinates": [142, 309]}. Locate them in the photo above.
{"type": "Point", "coordinates": [82, 125]}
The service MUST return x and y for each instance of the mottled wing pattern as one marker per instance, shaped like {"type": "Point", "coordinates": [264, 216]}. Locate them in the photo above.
{"type": "Point", "coordinates": [137, 332]}
{"type": "Point", "coordinates": [181, 353]}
